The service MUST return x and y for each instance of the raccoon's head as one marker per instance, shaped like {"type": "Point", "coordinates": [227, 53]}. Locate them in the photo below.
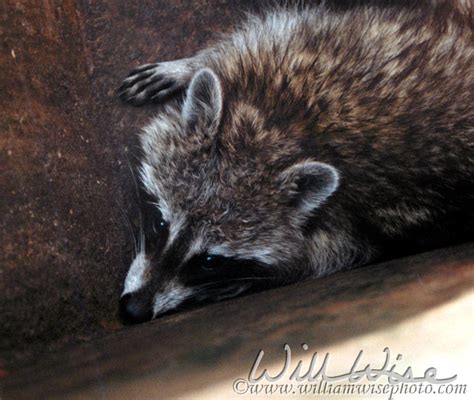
{"type": "Point", "coordinates": [228, 199]}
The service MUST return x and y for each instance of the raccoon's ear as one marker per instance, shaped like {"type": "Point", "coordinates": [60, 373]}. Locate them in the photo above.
{"type": "Point", "coordinates": [203, 103]}
{"type": "Point", "coordinates": [308, 184]}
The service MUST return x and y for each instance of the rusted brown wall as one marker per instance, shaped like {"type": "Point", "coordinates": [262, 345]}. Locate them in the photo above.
{"type": "Point", "coordinates": [65, 146]}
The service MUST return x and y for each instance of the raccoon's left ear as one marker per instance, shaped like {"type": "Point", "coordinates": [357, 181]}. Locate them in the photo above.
{"type": "Point", "coordinates": [308, 184]}
{"type": "Point", "coordinates": [203, 104]}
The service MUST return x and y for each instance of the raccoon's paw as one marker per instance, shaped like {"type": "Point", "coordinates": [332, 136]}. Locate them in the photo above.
{"type": "Point", "coordinates": [154, 82]}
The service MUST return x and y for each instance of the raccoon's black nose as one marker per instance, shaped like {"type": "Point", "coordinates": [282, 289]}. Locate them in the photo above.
{"type": "Point", "coordinates": [133, 310]}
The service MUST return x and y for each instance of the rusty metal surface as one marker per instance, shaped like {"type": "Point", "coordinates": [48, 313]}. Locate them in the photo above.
{"type": "Point", "coordinates": [179, 354]}
{"type": "Point", "coordinates": [65, 145]}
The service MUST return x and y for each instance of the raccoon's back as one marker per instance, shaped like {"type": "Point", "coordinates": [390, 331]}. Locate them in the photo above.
{"type": "Point", "coordinates": [364, 68]}
{"type": "Point", "coordinates": [385, 95]}
{"type": "Point", "coordinates": [388, 86]}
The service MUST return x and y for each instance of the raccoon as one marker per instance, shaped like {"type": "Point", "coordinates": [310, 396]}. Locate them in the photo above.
{"type": "Point", "coordinates": [308, 141]}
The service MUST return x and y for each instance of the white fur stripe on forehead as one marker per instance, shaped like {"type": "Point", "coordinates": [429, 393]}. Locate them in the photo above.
{"type": "Point", "coordinates": [138, 275]}
{"type": "Point", "coordinates": [197, 246]}
{"type": "Point", "coordinates": [175, 220]}
{"type": "Point", "coordinates": [170, 297]}
{"type": "Point", "coordinates": [149, 181]}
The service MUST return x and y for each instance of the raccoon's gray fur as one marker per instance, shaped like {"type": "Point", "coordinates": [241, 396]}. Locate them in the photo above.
{"type": "Point", "coordinates": [308, 141]}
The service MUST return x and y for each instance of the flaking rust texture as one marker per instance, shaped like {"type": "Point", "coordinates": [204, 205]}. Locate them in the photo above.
{"type": "Point", "coordinates": [65, 148]}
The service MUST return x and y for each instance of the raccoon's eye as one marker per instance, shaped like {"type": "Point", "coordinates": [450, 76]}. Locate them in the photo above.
{"type": "Point", "coordinates": [158, 224]}
{"type": "Point", "coordinates": [155, 231]}
{"type": "Point", "coordinates": [210, 262]}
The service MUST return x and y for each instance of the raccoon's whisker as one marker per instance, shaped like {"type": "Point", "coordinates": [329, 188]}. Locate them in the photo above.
{"type": "Point", "coordinates": [134, 178]}
{"type": "Point", "coordinates": [141, 233]}
{"type": "Point", "coordinates": [198, 292]}
{"type": "Point", "coordinates": [246, 279]}
{"type": "Point", "coordinates": [205, 286]}
{"type": "Point", "coordinates": [255, 278]}
{"type": "Point", "coordinates": [207, 289]}
{"type": "Point", "coordinates": [141, 243]}
{"type": "Point", "coordinates": [137, 242]}
{"type": "Point", "coordinates": [133, 238]}
{"type": "Point", "coordinates": [233, 292]}
{"type": "Point", "coordinates": [131, 232]}
{"type": "Point", "coordinates": [142, 237]}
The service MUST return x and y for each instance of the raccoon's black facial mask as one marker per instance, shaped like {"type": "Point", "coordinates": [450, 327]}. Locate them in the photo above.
{"type": "Point", "coordinates": [224, 277]}
{"type": "Point", "coordinates": [205, 278]}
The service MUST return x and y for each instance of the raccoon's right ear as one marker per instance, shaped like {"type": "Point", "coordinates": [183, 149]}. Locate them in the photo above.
{"type": "Point", "coordinates": [203, 104]}
{"type": "Point", "coordinates": [308, 184]}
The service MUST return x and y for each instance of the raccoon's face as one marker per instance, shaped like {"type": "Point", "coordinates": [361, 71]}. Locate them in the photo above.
{"type": "Point", "coordinates": [225, 208]}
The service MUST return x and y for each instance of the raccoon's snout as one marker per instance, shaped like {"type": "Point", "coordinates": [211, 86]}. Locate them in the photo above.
{"type": "Point", "coordinates": [133, 310]}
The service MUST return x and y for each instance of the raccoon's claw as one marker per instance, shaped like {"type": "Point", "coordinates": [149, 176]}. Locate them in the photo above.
{"type": "Point", "coordinates": [133, 79]}
{"type": "Point", "coordinates": [153, 83]}
{"type": "Point", "coordinates": [142, 68]}
{"type": "Point", "coordinates": [164, 94]}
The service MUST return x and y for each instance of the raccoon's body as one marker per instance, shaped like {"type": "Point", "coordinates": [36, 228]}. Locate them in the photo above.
{"type": "Point", "coordinates": [306, 142]}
